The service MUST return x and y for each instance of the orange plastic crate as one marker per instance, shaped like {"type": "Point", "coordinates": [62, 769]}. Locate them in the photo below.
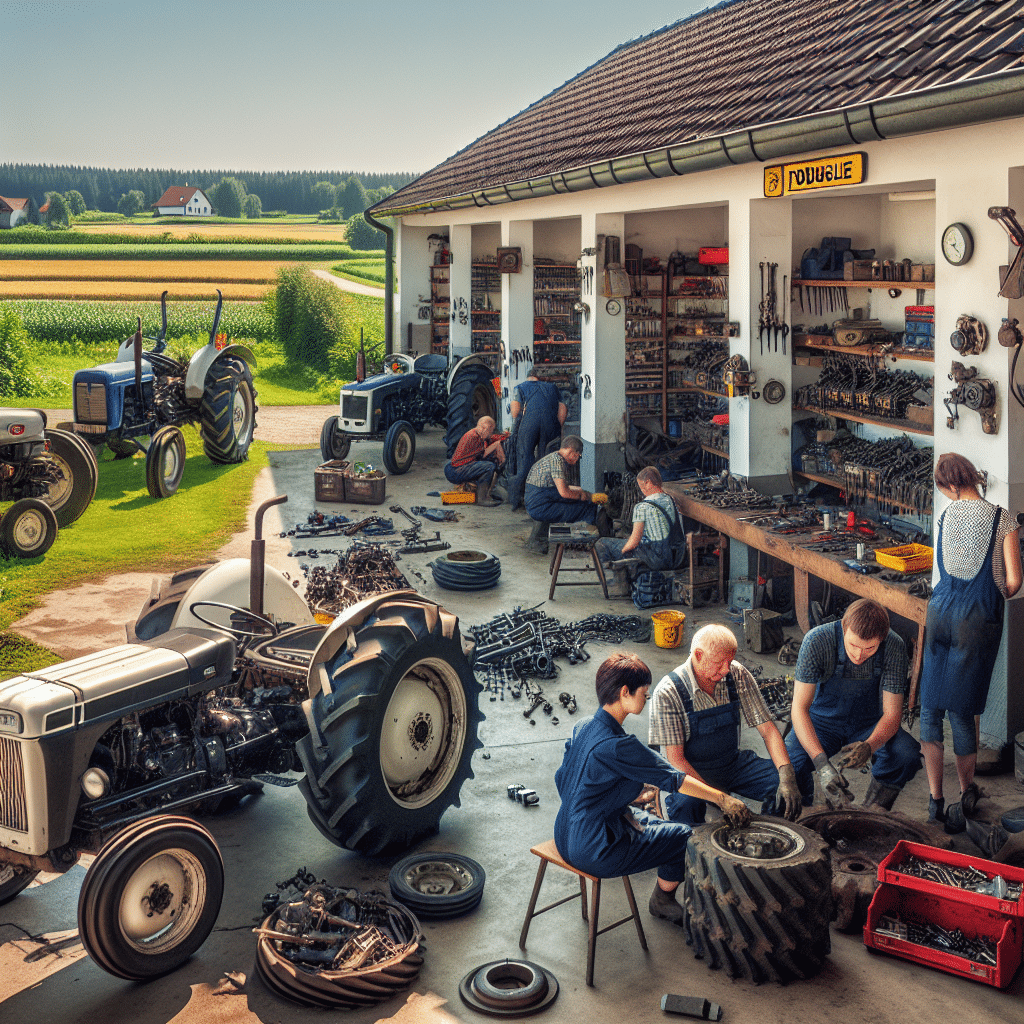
{"type": "Point", "coordinates": [905, 558]}
{"type": "Point", "coordinates": [458, 497]}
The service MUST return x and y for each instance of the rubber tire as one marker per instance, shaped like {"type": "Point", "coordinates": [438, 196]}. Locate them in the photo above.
{"type": "Point", "coordinates": [466, 570]}
{"type": "Point", "coordinates": [399, 447]}
{"type": "Point", "coordinates": [165, 462]}
{"type": "Point", "coordinates": [74, 493]}
{"type": "Point", "coordinates": [227, 414]}
{"type": "Point", "coordinates": [13, 879]}
{"type": "Point", "coordinates": [472, 396]}
{"type": "Point", "coordinates": [347, 792]}
{"type": "Point", "coordinates": [859, 838]}
{"type": "Point", "coordinates": [436, 906]}
{"type": "Point", "coordinates": [101, 923]}
{"type": "Point", "coordinates": [766, 920]}
{"type": "Point", "coordinates": [334, 443]}
{"type": "Point", "coordinates": [31, 514]}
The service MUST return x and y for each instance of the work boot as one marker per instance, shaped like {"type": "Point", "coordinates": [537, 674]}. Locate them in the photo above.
{"type": "Point", "coordinates": [936, 810]}
{"type": "Point", "coordinates": [880, 795]}
{"type": "Point", "coordinates": [958, 813]}
{"type": "Point", "coordinates": [483, 495]}
{"type": "Point", "coordinates": [664, 905]}
{"type": "Point", "coordinates": [538, 541]}
{"type": "Point", "coordinates": [603, 524]}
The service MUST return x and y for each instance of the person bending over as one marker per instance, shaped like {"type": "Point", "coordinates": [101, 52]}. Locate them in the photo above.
{"type": "Point", "coordinates": [551, 499]}
{"type": "Point", "coordinates": [476, 461]}
{"type": "Point", "coordinates": [657, 537]}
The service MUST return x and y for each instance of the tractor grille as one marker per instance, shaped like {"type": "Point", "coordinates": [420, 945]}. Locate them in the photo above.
{"type": "Point", "coordinates": [90, 403]}
{"type": "Point", "coordinates": [353, 407]}
{"type": "Point", "coordinates": [13, 809]}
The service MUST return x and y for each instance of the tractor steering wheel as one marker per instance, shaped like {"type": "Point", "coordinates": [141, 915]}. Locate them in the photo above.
{"type": "Point", "coordinates": [235, 631]}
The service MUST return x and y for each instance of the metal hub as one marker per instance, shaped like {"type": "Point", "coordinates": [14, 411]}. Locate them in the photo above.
{"type": "Point", "coordinates": [759, 841]}
{"type": "Point", "coordinates": [29, 529]}
{"type": "Point", "coordinates": [438, 878]}
{"type": "Point", "coordinates": [162, 900]}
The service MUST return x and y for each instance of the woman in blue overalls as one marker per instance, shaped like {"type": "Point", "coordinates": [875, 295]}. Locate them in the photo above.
{"type": "Point", "coordinates": [850, 711]}
{"type": "Point", "coordinates": [964, 627]}
{"type": "Point", "coordinates": [604, 769]}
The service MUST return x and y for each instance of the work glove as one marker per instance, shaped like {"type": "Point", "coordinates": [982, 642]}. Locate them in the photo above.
{"type": "Point", "coordinates": [787, 797]}
{"type": "Point", "coordinates": [854, 755]}
{"type": "Point", "coordinates": [735, 812]}
{"type": "Point", "coordinates": [834, 787]}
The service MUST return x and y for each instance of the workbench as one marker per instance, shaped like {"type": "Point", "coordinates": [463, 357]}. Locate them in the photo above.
{"type": "Point", "coordinates": [806, 563]}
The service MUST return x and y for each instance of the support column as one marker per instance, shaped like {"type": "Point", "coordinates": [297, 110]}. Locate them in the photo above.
{"type": "Point", "coordinates": [460, 336]}
{"type": "Point", "coordinates": [412, 260]}
{"type": "Point", "coordinates": [603, 354]}
{"type": "Point", "coordinates": [516, 312]}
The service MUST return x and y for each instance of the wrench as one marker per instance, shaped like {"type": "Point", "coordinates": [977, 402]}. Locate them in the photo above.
{"type": "Point", "coordinates": [399, 509]}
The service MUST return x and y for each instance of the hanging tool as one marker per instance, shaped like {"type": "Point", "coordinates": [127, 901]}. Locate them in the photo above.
{"type": "Point", "coordinates": [785, 322]}
{"type": "Point", "coordinates": [587, 393]}
{"type": "Point", "coordinates": [762, 322]}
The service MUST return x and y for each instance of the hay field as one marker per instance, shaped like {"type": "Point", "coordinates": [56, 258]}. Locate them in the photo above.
{"type": "Point", "coordinates": [272, 231]}
{"type": "Point", "coordinates": [142, 279]}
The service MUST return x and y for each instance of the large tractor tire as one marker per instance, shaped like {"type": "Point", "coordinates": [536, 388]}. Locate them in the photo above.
{"type": "Point", "coordinates": [72, 493]}
{"type": "Point", "coordinates": [28, 529]}
{"type": "Point", "coordinates": [334, 442]}
{"type": "Point", "coordinates": [471, 396]}
{"type": "Point", "coordinates": [227, 415]}
{"type": "Point", "coordinates": [759, 899]}
{"type": "Point", "coordinates": [393, 738]}
{"type": "Point", "coordinates": [859, 838]}
{"type": "Point", "coordinates": [151, 897]}
{"type": "Point", "coordinates": [13, 879]}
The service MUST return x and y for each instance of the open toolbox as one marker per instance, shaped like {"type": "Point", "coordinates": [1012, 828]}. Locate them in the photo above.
{"type": "Point", "coordinates": [908, 905]}
{"type": "Point", "coordinates": [911, 907]}
{"type": "Point", "coordinates": [889, 872]}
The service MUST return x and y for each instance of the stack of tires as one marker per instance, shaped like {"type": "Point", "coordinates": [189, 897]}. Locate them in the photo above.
{"type": "Point", "coordinates": [466, 570]}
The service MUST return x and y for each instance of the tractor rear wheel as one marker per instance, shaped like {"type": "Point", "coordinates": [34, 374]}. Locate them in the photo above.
{"type": "Point", "coordinates": [28, 529]}
{"type": "Point", "coordinates": [227, 415]}
{"type": "Point", "coordinates": [471, 396]}
{"type": "Point", "coordinates": [72, 493]}
{"type": "Point", "coordinates": [394, 735]}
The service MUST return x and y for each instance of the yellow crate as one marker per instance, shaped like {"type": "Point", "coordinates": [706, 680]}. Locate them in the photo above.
{"type": "Point", "coordinates": [458, 497]}
{"type": "Point", "coordinates": [905, 558]}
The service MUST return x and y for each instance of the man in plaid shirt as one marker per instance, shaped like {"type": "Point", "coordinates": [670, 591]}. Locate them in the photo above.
{"type": "Point", "coordinates": [476, 461]}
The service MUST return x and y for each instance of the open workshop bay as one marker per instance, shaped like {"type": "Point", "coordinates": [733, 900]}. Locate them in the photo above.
{"type": "Point", "coordinates": [269, 837]}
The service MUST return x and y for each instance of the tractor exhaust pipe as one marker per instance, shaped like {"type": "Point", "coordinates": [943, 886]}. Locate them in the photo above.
{"type": "Point", "coordinates": [258, 555]}
{"type": "Point", "coordinates": [137, 351]}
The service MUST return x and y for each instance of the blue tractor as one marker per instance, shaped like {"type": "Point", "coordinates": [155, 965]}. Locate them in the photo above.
{"type": "Point", "coordinates": [413, 391]}
{"type": "Point", "coordinates": [140, 401]}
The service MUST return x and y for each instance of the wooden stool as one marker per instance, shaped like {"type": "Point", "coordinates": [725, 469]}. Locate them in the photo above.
{"type": "Point", "coordinates": [576, 544]}
{"type": "Point", "coordinates": [700, 577]}
{"type": "Point", "coordinates": [549, 855]}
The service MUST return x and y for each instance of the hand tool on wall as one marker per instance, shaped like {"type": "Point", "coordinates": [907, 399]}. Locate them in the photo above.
{"type": "Point", "coordinates": [1012, 285]}
{"type": "Point", "coordinates": [785, 320]}
{"type": "Point", "coordinates": [762, 322]}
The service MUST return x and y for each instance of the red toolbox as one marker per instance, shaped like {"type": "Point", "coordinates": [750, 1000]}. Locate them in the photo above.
{"type": "Point", "coordinates": [889, 872]}
{"type": "Point", "coordinates": [912, 905]}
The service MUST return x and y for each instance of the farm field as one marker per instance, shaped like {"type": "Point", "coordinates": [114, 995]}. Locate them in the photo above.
{"type": "Point", "coordinates": [273, 230]}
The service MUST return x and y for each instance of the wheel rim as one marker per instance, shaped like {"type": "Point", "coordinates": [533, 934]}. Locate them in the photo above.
{"type": "Point", "coordinates": [438, 877]}
{"type": "Point", "coordinates": [403, 448]}
{"type": "Point", "coordinates": [423, 733]}
{"type": "Point", "coordinates": [29, 530]}
{"type": "Point", "coordinates": [60, 490]}
{"type": "Point", "coordinates": [242, 413]}
{"type": "Point", "coordinates": [162, 901]}
{"type": "Point", "coordinates": [170, 464]}
{"type": "Point", "coordinates": [762, 840]}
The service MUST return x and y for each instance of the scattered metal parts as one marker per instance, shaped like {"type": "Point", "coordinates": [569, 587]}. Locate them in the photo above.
{"type": "Point", "coordinates": [364, 569]}
{"type": "Point", "coordinates": [398, 510]}
{"type": "Point", "coordinates": [522, 795]}
{"type": "Point", "coordinates": [926, 933]}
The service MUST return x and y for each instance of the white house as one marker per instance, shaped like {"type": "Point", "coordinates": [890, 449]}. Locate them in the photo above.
{"type": "Point", "coordinates": [763, 129]}
{"type": "Point", "coordinates": [184, 201]}
{"type": "Point", "coordinates": [14, 212]}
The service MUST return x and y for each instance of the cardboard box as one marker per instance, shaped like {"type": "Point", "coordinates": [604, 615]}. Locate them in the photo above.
{"type": "Point", "coordinates": [857, 270]}
{"type": "Point", "coordinates": [329, 480]}
{"type": "Point", "coordinates": [922, 414]}
{"type": "Point", "coordinates": [922, 272]}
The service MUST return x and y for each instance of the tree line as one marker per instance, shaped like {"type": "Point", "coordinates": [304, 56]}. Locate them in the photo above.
{"type": "Point", "coordinates": [103, 188]}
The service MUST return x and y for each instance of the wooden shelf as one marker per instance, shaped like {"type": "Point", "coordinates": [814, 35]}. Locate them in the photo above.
{"type": "Point", "coordinates": [840, 484]}
{"type": "Point", "coordinates": [714, 451]}
{"type": "Point", "coordinates": [818, 341]}
{"type": "Point", "coordinates": [538, 341]}
{"type": "Point", "coordinates": [893, 424]}
{"type": "Point", "coordinates": [902, 285]}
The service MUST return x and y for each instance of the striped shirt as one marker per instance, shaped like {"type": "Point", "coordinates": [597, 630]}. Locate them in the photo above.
{"type": "Point", "coordinates": [966, 527]}
{"type": "Point", "coordinates": [818, 655]}
{"type": "Point", "coordinates": [547, 470]}
{"type": "Point", "coordinates": [669, 723]}
{"type": "Point", "coordinates": [656, 525]}
{"type": "Point", "coordinates": [470, 448]}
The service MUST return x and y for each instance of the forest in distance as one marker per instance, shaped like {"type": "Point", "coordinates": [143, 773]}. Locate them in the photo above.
{"type": "Point", "coordinates": [102, 188]}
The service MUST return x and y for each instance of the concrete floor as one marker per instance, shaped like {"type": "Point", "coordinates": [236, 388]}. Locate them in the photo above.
{"type": "Point", "coordinates": [269, 837]}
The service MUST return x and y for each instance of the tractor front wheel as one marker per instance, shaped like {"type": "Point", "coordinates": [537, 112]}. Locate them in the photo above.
{"type": "Point", "coordinates": [165, 462]}
{"type": "Point", "coordinates": [334, 442]}
{"type": "Point", "coordinates": [28, 529]}
{"type": "Point", "coordinates": [399, 447]}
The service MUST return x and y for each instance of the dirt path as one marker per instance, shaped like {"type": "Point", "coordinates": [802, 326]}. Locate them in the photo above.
{"type": "Point", "coordinates": [350, 286]}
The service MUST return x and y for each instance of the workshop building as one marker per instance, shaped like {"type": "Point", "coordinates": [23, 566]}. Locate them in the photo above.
{"type": "Point", "coordinates": [692, 216]}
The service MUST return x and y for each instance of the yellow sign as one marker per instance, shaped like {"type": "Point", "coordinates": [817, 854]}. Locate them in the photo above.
{"type": "Point", "coordinates": [847, 169]}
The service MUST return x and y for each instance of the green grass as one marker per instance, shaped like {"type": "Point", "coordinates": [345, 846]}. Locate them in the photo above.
{"type": "Point", "coordinates": [369, 271]}
{"type": "Point", "coordinates": [124, 530]}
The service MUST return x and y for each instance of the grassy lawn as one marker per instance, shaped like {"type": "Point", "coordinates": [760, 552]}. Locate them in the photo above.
{"type": "Point", "coordinates": [368, 271]}
{"type": "Point", "coordinates": [125, 530]}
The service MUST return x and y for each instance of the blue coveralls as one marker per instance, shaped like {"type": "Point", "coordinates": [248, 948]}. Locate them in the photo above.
{"type": "Point", "coordinates": [603, 769]}
{"type": "Point", "coordinates": [847, 711]}
{"type": "Point", "coordinates": [534, 429]}
{"type": "Point", "coordinates": [713, 749]}
{"type": "Point", "coordinates": [963, 630]}
{"type": "Point", "coordinates": [546, 505]}
{"type": "Point", "coordinates": [660, 554]}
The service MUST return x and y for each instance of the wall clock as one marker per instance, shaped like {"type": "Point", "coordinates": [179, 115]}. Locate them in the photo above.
{"type": "Point", "coordinates": [957, 244]}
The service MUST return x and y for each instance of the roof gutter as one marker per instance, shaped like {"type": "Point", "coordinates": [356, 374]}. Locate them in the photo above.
{"type": "Point", "coordinates": [389, 279]}
{"type": "Point", "coordinates": [992, 98]}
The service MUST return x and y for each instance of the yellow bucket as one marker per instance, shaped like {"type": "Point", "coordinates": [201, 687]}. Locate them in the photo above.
{"type": "Point", "coordinates": [668, 628]}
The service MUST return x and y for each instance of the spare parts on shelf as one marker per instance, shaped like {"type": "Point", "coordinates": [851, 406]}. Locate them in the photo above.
{"type": "Point", "coordinates": [977, 393]}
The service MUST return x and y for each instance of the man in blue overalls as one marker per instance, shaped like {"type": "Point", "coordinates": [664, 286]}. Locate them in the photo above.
{"type": "Point", "coordinates": [848, 701]}
{"type": "Point", "coordinates": [695, 719]}
{"type": "Point", "coordinates": [538, 413]}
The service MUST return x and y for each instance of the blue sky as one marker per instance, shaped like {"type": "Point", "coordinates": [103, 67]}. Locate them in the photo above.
{"type": "Point", "coordinates": [378, 85]}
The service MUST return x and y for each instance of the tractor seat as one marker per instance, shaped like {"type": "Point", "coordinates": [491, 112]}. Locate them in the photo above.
{"type": "Point", "coordinates": [431, 363]}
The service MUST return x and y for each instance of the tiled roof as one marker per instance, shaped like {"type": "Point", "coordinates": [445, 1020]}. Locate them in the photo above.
{"type": "Point", "coordinates": [177, 195]}
{"type": "Point", "coordinates": [734, 66]}
{"type": "Point", "coordinates": [9, 205]}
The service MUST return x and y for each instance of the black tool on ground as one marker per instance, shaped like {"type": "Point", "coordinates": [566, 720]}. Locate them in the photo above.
{"type": "Point", "coordinates": [691, 1006]}
{"type": "Point", "coordinates": [417, 545]}
{"type": "Point", "coordinates": [401, 511]}
{"type": "Point", "coordinates": [371, 525]}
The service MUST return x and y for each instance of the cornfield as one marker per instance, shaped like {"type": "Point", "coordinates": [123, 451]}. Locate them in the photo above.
{"type": "Point", "coordinates": [176, 251]}
{"type": "Point", "coordinates": [236, 271]}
